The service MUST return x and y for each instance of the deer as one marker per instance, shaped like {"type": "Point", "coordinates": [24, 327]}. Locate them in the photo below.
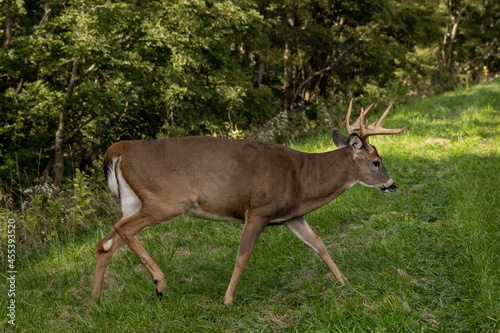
{"type": "Point", "coordinates": [253, 183]}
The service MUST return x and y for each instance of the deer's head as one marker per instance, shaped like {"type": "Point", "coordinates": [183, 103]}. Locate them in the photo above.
{"type": "Point", "coordinates": [367, 163]}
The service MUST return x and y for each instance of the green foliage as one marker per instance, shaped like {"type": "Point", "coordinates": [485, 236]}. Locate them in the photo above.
{"type": "Point", "coordinates": [50, 215]}
{"type": "Point", "coordinates": [154, 66]}
{"type": "Point", "coordinates": [98, 72]}
{"type": "Point", "coordinates": [83, 196]}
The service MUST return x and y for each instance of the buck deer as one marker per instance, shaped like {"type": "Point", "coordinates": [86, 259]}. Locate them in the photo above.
{"type": "Point", "coordinates": [248, 182]}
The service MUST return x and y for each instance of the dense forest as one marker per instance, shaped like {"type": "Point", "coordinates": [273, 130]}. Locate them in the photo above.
{"type": "Point", "coordinates": [78, 75]}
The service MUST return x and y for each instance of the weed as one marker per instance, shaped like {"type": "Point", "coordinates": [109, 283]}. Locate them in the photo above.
{"type": "Point", "coordinates": [48, 214]}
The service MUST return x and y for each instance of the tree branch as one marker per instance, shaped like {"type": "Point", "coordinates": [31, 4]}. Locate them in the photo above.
{"type": "Point", "coordinates": [79, 127]}
{"type": "Point", "coordinates": [46, 15]}
{"type": "Point", "coordinates": [65, 62]}
{"type": "Point", "coordinates": [332, 65]}
{"type": "Point", "coordinates": [18, 89]}
{"type": "Point", "coordinates": [86, 72]}
{"type": "Point", "coordinates": [93, 8]}
{"type": "Point", "coordinates": [131, 35]}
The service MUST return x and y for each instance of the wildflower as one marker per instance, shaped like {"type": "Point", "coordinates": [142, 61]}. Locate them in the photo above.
{"type": "Point", "coordinates": [28, 191]}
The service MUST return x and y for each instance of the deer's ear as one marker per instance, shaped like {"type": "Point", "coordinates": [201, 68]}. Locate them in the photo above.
{"type": "Point", "coordinates": [355, 143]}
{"type": "Point", "coordinates": [339, 139]}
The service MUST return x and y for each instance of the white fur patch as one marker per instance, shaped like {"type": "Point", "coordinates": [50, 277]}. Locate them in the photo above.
{"type": "Point", "coordinates": [352, 184]}
{"type": "Point", "coordinates": [107, 245]}
{"type": "Point", "coordinates": [296, 230]}
{"type": "Point", "coordinates": [364, 184]}
{"type": "Point", "coordinates": [389, 183]}
{"type": "Point", "coordinates": [130, 202]}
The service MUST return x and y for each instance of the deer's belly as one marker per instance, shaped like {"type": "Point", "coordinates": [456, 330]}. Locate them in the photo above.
{"type": "Point", "coordinates": [196, 211]}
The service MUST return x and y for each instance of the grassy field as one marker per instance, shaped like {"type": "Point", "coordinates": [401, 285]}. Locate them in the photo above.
{"type": "Point", "coordinates": [424, 258]}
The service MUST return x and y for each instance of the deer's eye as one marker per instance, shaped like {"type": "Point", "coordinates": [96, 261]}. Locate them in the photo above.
{"type": "Point", "coordinates": [376, 164]}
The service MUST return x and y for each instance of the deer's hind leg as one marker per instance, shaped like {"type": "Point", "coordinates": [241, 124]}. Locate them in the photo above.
{"type": "Point", "coordinates": [105, 250]}
{"type": "Point", "coordinates": [128, 228]}
{"type": "Point", "coordinates": [300, 228]}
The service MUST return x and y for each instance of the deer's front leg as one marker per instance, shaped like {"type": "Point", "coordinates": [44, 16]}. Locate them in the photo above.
{"type": "Point", "coordinates": [299, 227]}
{"type": "Point", "coordinates": [251, 232]}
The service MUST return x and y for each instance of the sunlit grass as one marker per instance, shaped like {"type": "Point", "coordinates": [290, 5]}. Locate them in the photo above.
{"type": "Point", "coordinates": [425, 257]}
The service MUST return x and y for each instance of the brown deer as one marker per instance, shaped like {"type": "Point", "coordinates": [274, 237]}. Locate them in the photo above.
{"type": "Point", "coordinates": [253, 183]}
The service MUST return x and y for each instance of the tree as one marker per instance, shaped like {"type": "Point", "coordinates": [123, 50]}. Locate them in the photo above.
{"type": "Point", "coordinates": [332, 49]}
{"type": "Point", "coordinates": [76, 76]}
{"type": "Point", "coordinates": [80, 76]}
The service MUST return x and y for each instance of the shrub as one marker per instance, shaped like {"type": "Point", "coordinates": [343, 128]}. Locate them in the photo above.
{"type": "Point", "coordinates": [51, 215]}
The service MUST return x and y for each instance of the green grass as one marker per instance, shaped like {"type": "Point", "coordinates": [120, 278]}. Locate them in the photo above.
{"type": "Point", "coordinates": [424, 258]}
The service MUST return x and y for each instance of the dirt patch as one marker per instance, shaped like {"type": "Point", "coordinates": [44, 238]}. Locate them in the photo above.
{"type": "Point", "coordinates": [429, 318]}
{"type": "Point", "coordinates": [281, 320]}
{"type": "Point", "coordinates": [65, 315]}
{"type": "Point", "coordinates": [341, 301]}
{"type": "Point", "coordinates": [402, 273]}
{"type": "Point", "coordinates": [182, 253]}
{"type": "Point", "coordinates": [423, 282]}
{"type": "Point", "coordinates": [386, 216]}
{"type": "Point", "coordinates": [369, 304]}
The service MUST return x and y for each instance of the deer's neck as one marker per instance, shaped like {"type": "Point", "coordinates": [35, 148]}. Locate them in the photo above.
{"type": "Point", "coordinates": [327, 175]}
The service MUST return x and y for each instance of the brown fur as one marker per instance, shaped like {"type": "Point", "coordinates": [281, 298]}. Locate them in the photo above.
{"type": "Point", "coordinates": [255, 182]}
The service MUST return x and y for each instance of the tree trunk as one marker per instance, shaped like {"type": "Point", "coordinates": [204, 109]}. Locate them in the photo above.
{"type": "Point", "coordinates": [58, 168]}
{"type": "Point", "coordinates": [287, 67]}
{"type": "Point", "coordinates": [48, 166]}
{"type": "Point", "coordinates": [62, 130]}
{"type": "Point", "coordinates": [7, 38]}
{"type": "Point", "coordinates": [448, 42]}
{"type": "Point", "coordinates": [286, 78]}
{"type": "Point", "coordinates": [258, 72]}
{"type": "Point", "coordinates": [450, 63]}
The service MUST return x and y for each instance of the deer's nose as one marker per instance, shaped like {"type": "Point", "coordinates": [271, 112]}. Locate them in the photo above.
{"type": "Point", "coordinates": [390, 188]}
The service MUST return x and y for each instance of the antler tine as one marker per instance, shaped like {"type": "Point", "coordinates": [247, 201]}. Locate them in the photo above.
{"type": "Point", "coordinates": [366, 130]}
{"type": "Point", "coordinates": [377, 129]}
{"type": "Point", "coordinates": [361, 119]}
{"type": "Point", "coordinates": [348, 118]}
{"type": "Point", "coordinates": [386, 112]}
{"type": "Point", "coordinates": [359, 123]}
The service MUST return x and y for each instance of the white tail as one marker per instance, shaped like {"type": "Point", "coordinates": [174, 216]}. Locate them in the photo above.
{"type": "Point", "coordinates": [110, 171]}
{"type": "Point", "coordinates": [249, 182]}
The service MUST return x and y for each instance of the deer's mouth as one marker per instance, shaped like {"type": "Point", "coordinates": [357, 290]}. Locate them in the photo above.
{"type": "Point", "coordinates": [387, 189]}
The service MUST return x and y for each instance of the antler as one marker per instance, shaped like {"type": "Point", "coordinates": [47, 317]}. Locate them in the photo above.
{"type": "Point", "coordinates": [366, 130]}
{"type": "Point", "coordinates": [356, 126]}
